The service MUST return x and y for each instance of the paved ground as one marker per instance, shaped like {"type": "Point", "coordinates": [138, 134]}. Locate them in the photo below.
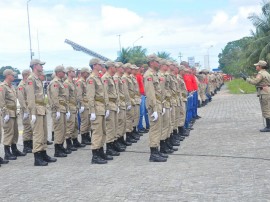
{"type": "Point", "coordinates": [224, 159]}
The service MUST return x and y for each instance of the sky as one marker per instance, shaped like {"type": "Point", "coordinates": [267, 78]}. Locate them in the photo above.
{"type": "Point", "coordinates": [193, 28]}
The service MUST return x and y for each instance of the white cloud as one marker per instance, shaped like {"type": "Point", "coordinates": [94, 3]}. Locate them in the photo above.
{"type": "Point", "coordinates": [118, 20]}
{"type": "Point", "coordinates": [97, 30]}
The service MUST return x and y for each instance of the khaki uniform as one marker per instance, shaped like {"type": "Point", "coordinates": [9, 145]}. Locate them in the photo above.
{"type": "Point", "coordinates": [27, 130]}
{"type": "Point", "coordinates": [58, 102]}
{"type": "Point", "coordinates": [166, 97]}
{"type": "Point", "coordinates": [183, 100]}
{"type": "Point", "coordinates": [83, 102]}
{"type": "Point", "coordinates": [154, 104]}
{"type": "Point", "coordinates": [113, 104]}
{"type": "Point", "coordinates": [130, 113]}
{"type": "Point", "coordinates": [179, 102]}
{"type": "Point", "coordinates": [181, 97]}
{"type": "Point", "coordinates": [137, 101]}
{"type": "Point", "coordinates": [8, 105]}
{"type": "Point", "coordinates": [262, 83]}
{"type": "Point", "coordinates": [174, 103]}
{"type": "Point", "coordinates": [72, 123]}
{"type": "Point", "coordinates": [36, 105]}
{"type": "Point", "coordinates": [97, 104]}
{"type": "Point", "coordinates": [124, 101]}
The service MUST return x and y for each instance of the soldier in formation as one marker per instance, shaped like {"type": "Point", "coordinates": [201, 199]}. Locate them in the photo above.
{"type": "Point", "coordinates": [107, 100]}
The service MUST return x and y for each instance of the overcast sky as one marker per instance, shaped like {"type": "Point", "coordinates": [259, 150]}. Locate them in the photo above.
{"type": "Point", "coordinates": [186, 26]}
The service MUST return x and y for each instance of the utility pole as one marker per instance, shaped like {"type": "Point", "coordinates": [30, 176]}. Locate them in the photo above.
{"type": "Point", "coordinates": [38, 46]}
{"type": "Point", "coordinates": [180, 56]}
{"type": "Point", "coordinates": [31, 53]}
{"type": "Point", "coordinates": [119, 39]}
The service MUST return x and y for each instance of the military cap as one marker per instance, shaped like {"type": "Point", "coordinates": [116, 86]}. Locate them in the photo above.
{"type": "Point", "coordinates": [35, 62]}
{"type": "Point", "coordinates": [127, 65]}
{"type": "Point", "coordinates": [60, 68]}
{"type": "Point", "coordinates": [181, 67]}
{"type": "Point", "coordinates": [26, 71]}
{"type": "Point", "coordinates": [152, 57]}
{"type": "Point", "coordinates": [109, 64]}
{"type": "Point", "coordinates": [95, 61]}
{"type": "Point", "coordinates": [134, 67]}
{"type": "Point", "coordinates": [85, 69]}
{"type": "Point", "coordinates": [118, 64]}
{"type": "Point", "coordinates": [9, 72]}
{"type": "Point", "coordinates": [261, 63]}
{"type": "Point", "coordinates": [70, 69]}
{"type": "Point", "coordinates": [163, 62]}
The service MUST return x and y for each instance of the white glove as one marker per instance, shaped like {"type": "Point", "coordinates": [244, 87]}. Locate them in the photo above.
{"type": "Point", "coordinates": [68, 115]}
{"type": "Point", "coordinates": [170, 109]}
{"type": "Point", "coordinates": [163, 111]}
{"type": "Point", "coordinates": [33, 119]}
{"type": "Point", "coordinates": [6, 118]}
{"type": "Point", "coordinates": [118, 110]}
{"type": "Point", "coordinates": [57, 116]}
{"type": "Point", "coordinates": [25, 115]}
{"type": "Point", "coordinates": [155, 115]}
{"type": "Point", "coordinates": [107, 114]}
{"type": "Point", "coordinates": [129, 107]}
{"type": "Point", "coordinates": [93, 117]}
{"type": "Point", "coordinates": [81, 110]}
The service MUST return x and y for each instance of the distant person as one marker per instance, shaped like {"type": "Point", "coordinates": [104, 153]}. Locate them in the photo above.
{"type": "Point", "coordinates": [262, 83]}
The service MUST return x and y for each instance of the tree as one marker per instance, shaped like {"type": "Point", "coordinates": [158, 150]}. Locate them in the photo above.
{"type": "Point", "coordinates": [135, 55]}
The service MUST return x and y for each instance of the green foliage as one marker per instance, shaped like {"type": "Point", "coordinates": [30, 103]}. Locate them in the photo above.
{"type": "Point", "coordinates": [239, 86]}
{"type": "Point", "coordinates": [241, 54]}
{"type": "Point", "coordinates": [135, 55]}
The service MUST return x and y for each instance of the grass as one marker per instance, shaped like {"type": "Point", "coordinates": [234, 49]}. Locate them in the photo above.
{"type": "Point", "coordinates": [239, 86]}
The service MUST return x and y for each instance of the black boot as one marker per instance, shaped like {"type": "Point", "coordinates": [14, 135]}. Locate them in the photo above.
{"type": "Point", "coordinates": [16, 152]}
{"type": "Point", "coordinates": [96, 159]}
{"type": "Point", "coordinates": [58, 152]}
{"type": "Point", "coordinates": [88, 137]}
{"type": "Point", "coordinates": [27, 146]}
{"type": "Point", "coordinates": [77, 144]}
{"type": "Point", "coordinates": [31, 144]}
{"type": "Point", "coordinates": [110, 150]}
{"type": "Point", "coordinates": [122, 140]}
{"type": "Point", "coordinates": [52, 135]}
{"type": "Point", "coordinates": [85, 140]}
{"type": "Point", "coordinates": [155, 157]}
{"type": "Point", "coordinates": [173, 139]}
{"type": "Point", "coordinates": [3, 161]}
{"type": "Point", "coordinates": [8, 154]}
{"type": "Point", "coordinates": [70, 145]}
{"type": "Point", "coordinates": [130, 138]}
{"type": "Point", "coordinates": [168, 142]}
{"type": "Point", "coordinates": [66, 151]}
{"type": "Point", "coordinates": [135, 133]}
{"type": "Point", "coordinates": [164, 148]}
{"type": "Point", "coordinates": [103, 155]}
{"type": "Point", "coordinates": [176, 136]}
{"type": "Point", "coordinates": [49, 142]}
{"type": "Point", "coordinates": [47, 158]}
{"type": "Point", "coordinates": [267, 128]}
{"type": "Point", "coordinates": [118, 147]}
{"type": "Point", "coordinates": [185, 132]}
{"type": "Point", "coordinates": [180, 133]}
{"type": "Point", "coordinates": [39, 159]}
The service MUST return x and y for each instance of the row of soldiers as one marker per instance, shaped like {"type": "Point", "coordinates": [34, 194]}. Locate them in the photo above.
{"type": "Point", "coordinates": [108, 108]}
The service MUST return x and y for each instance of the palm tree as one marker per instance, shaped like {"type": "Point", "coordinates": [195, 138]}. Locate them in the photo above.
{"type": "Point", "coordinates": [135, 55]}
{"type": "Point", "coordinates": [260, 46]}
{"type": "Point", "coordinates": [164, 55]}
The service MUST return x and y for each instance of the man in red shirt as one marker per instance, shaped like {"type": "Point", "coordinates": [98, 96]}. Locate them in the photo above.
{"type": "Point", "coordinates": [143, 110]}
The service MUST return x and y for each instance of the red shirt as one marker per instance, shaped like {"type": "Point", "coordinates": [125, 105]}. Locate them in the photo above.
{"type": "Point", "coordinates": [188, 81]}
{"type": "Point", "coordinates": [194, 83]}
{"type": "Point", "coordinates": [139, 78]}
